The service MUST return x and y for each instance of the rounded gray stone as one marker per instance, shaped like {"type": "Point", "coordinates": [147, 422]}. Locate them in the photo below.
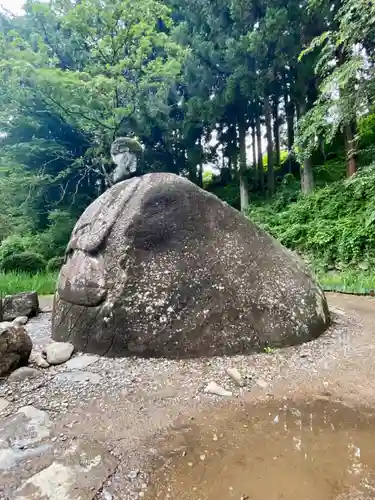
{"type": "Point", "coordinates": [59, 352]}
{"type": "Point", "coordinates": [23, 373]}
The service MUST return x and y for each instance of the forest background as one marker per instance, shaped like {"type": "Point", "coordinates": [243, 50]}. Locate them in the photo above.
{"type": "Point", "coordinates": [269, 104]}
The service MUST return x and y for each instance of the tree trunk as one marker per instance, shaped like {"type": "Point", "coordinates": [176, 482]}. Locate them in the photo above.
{"type": "Point", "coordinates": [349, 129]}
{"type": "Point", "coordinates": [276, 131]}
{"type": "Point", "coordinates": [350, 149]}
{"type": "Point", "coordinates": [270, 172]}
{"type": "Point", "coordinates": [307, 177]}
{"type": "Point", "coordinates": [244, 191]}
{"type": "Point", "coordinates": [289, 111]}
{"type": "Point", "coordinates": [260, 155]}
{"type": "Point", "coordinates": [298, 111]}
{"type": "Point", "coordinates": [200, 165]}
{"type": "Point", "coordinates": [254, 148]}
{"type": "Point", "coordinates": [192, 166]}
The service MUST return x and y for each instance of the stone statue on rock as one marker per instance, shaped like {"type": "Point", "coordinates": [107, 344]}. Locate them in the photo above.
{"type": "Point", "coordinates": [158, 267]}
{"type": "Point", "coordinates": [125, 153]}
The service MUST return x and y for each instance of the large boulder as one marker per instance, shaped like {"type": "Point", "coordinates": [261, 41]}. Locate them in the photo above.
{"type": "Point", "coordinates": [20, 304]}
{"type": "Point", "coordinates": [15, 347]}
{"type": "Point", "coordinates": [158, 267]}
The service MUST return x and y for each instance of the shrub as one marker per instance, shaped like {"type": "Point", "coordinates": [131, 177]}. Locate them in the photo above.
{"type": "Point", "coordinates": [54, 240]}
{"type": "Point", "coordinates": [11, 245]}
{"type": "Point", "coordinates": [27, 262]}
{"type": "Point", "coordinates": [55, 264]}
{"type": "Point", "coordinates": [334, 226]}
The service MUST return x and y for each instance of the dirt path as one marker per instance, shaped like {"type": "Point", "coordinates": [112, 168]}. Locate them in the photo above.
{"type": "Point", "coordinates": [118, 410]}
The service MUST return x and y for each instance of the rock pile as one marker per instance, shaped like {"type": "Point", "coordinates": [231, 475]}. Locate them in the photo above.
{"type": "Point", "coordinates": [16, 347]}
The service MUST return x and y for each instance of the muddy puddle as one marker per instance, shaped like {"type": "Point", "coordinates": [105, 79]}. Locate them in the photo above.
{"type": "Point", "coordinates": [315, 451]}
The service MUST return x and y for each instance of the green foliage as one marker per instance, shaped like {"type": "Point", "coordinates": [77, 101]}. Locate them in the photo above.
{"type": "Point", "coordinates": [334, 226]}
{"type": "Point", "coordinates": [350, 280]}
{"type": "Point", "coordinates": [55, 264]}
{"type": "Point", "coordinates": [42, 283]}
{"type": "Point", "coordinates": [345, 66]}
{"type": "Point", "coordinates": [11, 245]}
{"type": "Point", "coordinates": [53, 241]}
{"type": "Point", "coordinates": [228, 193]}
{"type": "Point", "coordinates": [207, 178]}
{"type": "Point", "coordinates": [27, 262]}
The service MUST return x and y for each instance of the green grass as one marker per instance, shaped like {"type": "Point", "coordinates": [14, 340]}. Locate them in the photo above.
{"type": "Point", "coordinates": [352, 281]}
{"type": "Point", "coordinates": [43, 283]}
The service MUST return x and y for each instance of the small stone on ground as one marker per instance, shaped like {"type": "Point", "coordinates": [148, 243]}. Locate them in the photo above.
{"type": "Point", "coordinates": [37, 359]}
{"type": "Point", "coordinates": [81, 362]}
{"type": "Point", "coordinates": [59, 352]}
{"type": "Point", "coordinates": [23, 373]}
{"type": "Point", "coordinates": [217, 390]}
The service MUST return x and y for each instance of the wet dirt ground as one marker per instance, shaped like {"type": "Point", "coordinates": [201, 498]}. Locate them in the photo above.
{"type": "Point", "coordinates": [155, 422]}
{"type": "Point", "coordinates": [273, 451]}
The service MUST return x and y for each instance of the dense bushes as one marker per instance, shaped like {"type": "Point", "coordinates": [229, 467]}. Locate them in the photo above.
{"type": "Point", "coordinates": [55, 264]}
{"type": "Point", "coordinates": [334, 227]}
{"type": "Point", "coordinates": [27, 262]}
{"type": "Point", "coordinates": [38, 248]}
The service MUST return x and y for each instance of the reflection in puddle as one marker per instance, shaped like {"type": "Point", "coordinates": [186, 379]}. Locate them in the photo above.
{"type": "Point", "coordinates": [317, 451]}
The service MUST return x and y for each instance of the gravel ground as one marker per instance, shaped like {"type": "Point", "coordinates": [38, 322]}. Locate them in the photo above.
{"type": "Point", "coordinates": [128, 405]}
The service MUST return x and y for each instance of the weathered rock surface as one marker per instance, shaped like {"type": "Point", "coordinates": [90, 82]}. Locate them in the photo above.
{"type": "Point", "coordinates": [23, 373]}
{"type": "Point", "coordinates": [75, 474]}
{"type": "Point", "coordinates": [36, 464]}
{"type": "Point", "coordinates": [20, 320]}
{"type": "Point", "coordinates": [158, 267]}
{"type": "Point", "coordinates": [20, 304]}
{"type": "Point", "coordinates": [37, 359]}
{"type": "Point", "coordinates": [81, 362]}
{"type": "Point", "coordinates": [4, 403]}
{"type": "Point", "coordinates": [59, 352]}
{"type": "Point", "coordinates": [15, 348]}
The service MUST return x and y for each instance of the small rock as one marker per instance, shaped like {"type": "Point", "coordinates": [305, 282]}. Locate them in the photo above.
{"type": "Point", "coordinates": [133, 474]}
{"type": "Point", "coordinates": [107, 495]}
{"type": "Point", "coordinates": [70, 425]}
{"type": "Point", "coordinates": [20, 320]}
{"type": "Point", "coordinates": [262, 383]}
{"type": "Point", "coordinates": [23, 373]}
{"type": "Point", "coordinates": [20, 304]}
{"type": "Point", "coordinates": [37, 359]}
{"type": "Point", "coordinates": [59, 352]}
{"type": "Point", "coordinates": [79, 377]}
{"type": "Point", "coordinates": [3, 404]}
{"type": "Point", "coordinates": [235, 375]}
{"type": "Point", "coordinates": [81, 362]}
{"type": "Point", "coordinates": [15, 348]}
{"type": "Point", "coordinates": [214, 388]}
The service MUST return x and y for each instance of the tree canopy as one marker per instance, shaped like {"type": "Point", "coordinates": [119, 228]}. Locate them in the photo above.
{"type": "Point", "coordinates": [255, 90]}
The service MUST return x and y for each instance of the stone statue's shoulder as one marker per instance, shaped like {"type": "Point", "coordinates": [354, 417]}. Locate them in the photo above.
{"type": "Point", "coordinates": [97, 220]}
